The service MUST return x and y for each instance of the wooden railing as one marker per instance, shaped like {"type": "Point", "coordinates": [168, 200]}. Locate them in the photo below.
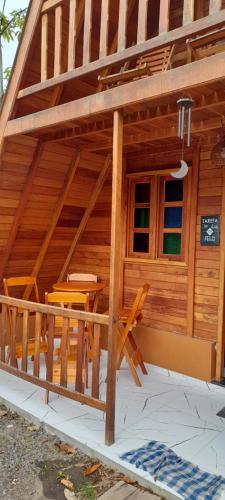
{"type": "Point", "coordinates": [22, 320]}
{"type": "Point", "coordinates": [81, 21]}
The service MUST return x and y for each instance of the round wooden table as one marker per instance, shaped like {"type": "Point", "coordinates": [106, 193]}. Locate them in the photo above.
{"type": "Point", "coordinates": [83, 287]}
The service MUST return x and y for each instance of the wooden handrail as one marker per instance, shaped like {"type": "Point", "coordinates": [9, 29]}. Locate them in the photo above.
{"type": "Point", "coordinates": [100, 319]}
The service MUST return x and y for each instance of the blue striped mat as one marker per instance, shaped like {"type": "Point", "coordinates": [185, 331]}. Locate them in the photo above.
{"type": "Point", "coordinates": [182, 476]}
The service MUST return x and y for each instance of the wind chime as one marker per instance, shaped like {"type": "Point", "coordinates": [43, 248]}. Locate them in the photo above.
{"type": "Point", "coordinates": [185, 105]}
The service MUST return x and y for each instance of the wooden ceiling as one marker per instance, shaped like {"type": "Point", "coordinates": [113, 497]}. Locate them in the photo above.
{"type": "Point", "coordinates": [145, 124]}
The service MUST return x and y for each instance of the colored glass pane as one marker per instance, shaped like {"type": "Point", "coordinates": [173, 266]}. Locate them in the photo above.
{"type": "Point", "coordinates": [173, 217]}
{"type": "Point", "coordinates": [172, 244]}
{"type": "Point", "coordinates": [142, 192]}
{"type": "Point", "coordinates": [174, 190]}
{"type": "Point", "coordinates": [141, 217]}
{"type": "Point", "coordinates": [141, 242]}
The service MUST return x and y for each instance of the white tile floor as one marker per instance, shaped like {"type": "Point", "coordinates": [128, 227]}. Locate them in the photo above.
{"type": "Point", "coordinates": [169, 407]}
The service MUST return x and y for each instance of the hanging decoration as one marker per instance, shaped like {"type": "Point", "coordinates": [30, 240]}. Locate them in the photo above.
{"type": "Point", "coordinates": [182, 172]}
{"type": "Point", "coordinates": [185, 105]}
{"type": "Point", "coordinates": [218, 151]}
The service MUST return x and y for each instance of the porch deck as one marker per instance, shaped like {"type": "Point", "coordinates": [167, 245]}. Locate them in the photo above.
{"type": "Point", "coordinates": [169, 407]}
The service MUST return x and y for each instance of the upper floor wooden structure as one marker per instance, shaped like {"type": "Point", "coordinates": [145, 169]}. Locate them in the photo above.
{"type": "Point", "coordinates": [77, 40]}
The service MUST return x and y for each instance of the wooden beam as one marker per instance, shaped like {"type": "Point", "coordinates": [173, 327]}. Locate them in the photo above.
{"type": "Point", "coordinates": [19, 65]}
{"type": "Point", "coordinates": [122, 26]}
{"type": "Point", "coordinates": [188, 11]}
{"type": "Point", "coordinates": [199, 9]}
{"type": "Point", "coordinates": [72, 34]}
{"type": "Point", "coordinates": [44, 47]}
{"type": "Point", "coordinates": [58, 41]}
{"type": "Point", "coordinates": [157, 135]}
{"type": "Point", "coordinates": [87, 32]}
{"type": "Point", "coordinates": [75, 23]}
{"type": "Point", "coordinates": [199, 26]}
{"type": "Point", "coordinates": [69, 180]}
{"type": "Point", "coordinates": [104, 30]}
{"type": "Point", "coordinates": [115, 278]}
{"type": "Point", "coordinates": [164, 16]}
{"type": "Point", "coordinates": [114, 45]}
{"type": "Point", "coordinates": [196, 74]}
{"type": "Point", "coordinates": [215, 6]}
{"type": "Point", "coordinates": [50, 4]}
{"type": "Point", "coordinates": [142, 21]}
{"type": "Point", "coordinates": [20, 209]}
{"type": "Point", "coordinates": [145, 117]}
{"type": "Point", "coordinates": [97, 190]}
{"type": "Point", "coordinates": [221, 306]}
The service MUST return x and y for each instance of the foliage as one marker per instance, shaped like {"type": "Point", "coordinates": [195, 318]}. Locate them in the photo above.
{"type": "Point", "coordinates": [7, 73]}
{"type": "Point", "coordinates": [86, 492]}
{"type": "Point", "coordinates": [11, 27]}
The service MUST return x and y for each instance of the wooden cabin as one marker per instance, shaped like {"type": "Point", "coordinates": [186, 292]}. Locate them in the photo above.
{"type": "Point", "coordinates": [88, 138]}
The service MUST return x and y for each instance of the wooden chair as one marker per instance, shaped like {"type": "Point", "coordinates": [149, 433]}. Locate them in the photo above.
{"type": "Point", "coordinates": [128, 320]}
{"type": "Point", "coordinates": [148, 64]}
{"type": "Point", "coordinates": [82, 277]}
{"type": "Point", "coordinates": [65, 300]}
{"type": "Point", "coordinates": [22, 282]}
{"type": "Point", "coordinates": [205, 45]}
{"type": "Point", "coordinates": [93, 278]}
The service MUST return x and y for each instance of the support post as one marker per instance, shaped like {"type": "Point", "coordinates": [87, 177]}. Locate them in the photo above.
{"type": "Point", "coordinates": [192, 202]}
{"type": "Point", "coordinates": [115, 279]}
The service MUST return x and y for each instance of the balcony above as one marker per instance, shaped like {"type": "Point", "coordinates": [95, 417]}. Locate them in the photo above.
{"type": "Point", "coordinates": [77, 42]}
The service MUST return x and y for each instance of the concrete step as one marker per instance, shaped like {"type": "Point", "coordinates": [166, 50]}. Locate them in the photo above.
{"type": "Point", "coordinates": [124, 491]}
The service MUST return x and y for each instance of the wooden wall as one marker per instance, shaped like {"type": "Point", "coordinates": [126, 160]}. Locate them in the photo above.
{"type": "Point", "coordinates": [207, 262]}
{"type": "Point", "coordinates": [41, 204]}
{"type": "Point", "coordinates": [166, 309]}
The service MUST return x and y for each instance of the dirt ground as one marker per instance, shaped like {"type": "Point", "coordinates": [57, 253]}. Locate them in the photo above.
{"type": "Point", "coordinates": [35, 465]}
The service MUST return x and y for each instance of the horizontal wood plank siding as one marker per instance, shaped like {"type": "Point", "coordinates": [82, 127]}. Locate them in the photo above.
{"type": "Point", "coordinates": [207, 260]}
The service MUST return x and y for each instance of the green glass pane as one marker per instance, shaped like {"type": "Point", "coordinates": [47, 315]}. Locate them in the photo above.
{"type": "Point", "coordinates": [142, 192]}
{"type": "Point", "coordinates": [174, 190]}
{"type": "Point", "coordinates": [141, 217]}
{"type": "Point", "coordinates": [172, 244]}
{"type": "Point", "coordinates": [141, 242]}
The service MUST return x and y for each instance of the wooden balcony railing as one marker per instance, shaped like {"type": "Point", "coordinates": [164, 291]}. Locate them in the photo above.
{"type": "Point", "coordinates": [80, 21]}
{"type": "Point", "coordinates": [22, 320]}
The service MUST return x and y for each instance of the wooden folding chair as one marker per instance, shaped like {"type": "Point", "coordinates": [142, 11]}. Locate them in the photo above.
{"type": "Point", "coordinates": [148, 64]}
{"type": "Point", "coordinates": [128, 320]}
{"type": "Point", "coordinates": [82, 277]}
{"type": "Point", "coordinates": [205, 45]}
{"type": "Point", "coordinates": [92, 278]}
{"type": "Point", "coordinates": [68, 300]}
{"type": "Point", "coordinates": [22, 282]}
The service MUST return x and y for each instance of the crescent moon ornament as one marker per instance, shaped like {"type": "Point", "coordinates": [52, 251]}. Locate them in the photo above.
{"type": "Point", "coordinates": [182, 172]}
